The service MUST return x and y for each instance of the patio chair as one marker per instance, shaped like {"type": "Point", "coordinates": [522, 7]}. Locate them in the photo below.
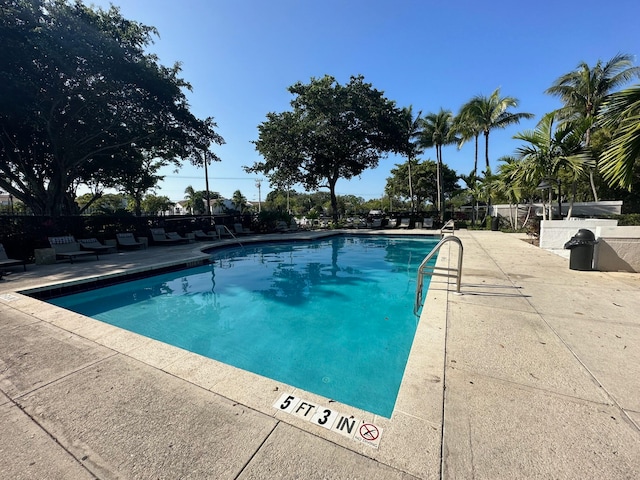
{"type": "Point", "coordinates": [375, 223]}
{"type": "Point", "coordinates": [404, 223]}
{"type": "Point", "coordinates": [176, 236]}
{"type": "Point", "coordinates": [223, 231]}
{"type": "Point", "coordinates": [448, 227]}
{"type": "Point", "coordinates": [128, 241]}
{"type": "Point", "coordinates": [427, 223]}
{"type": "Point", "coordinates": [93, 245]}
{"type": "Point", "coordinates": [200, 235]}
{"type": "Point", "coordinates": [282, 227]}
{"type": "Point", "coordinates": [5, 261]}
{"type": "Point", "coordinates": [67, 248]}
{"type": "Point", "coordinates": [240, 230]}
{"type": "Point", "coordinates": [391, 223]}
{"type": "Point", "coordinates": [160, 237]}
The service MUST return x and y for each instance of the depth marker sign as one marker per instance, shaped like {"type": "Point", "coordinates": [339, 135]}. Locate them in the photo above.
{"type": "Point", "coordinates": [346, 425]}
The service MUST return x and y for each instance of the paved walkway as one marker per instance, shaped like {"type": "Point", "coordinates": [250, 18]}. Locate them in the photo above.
{"type": "Point", "coordinates": [534, 372]}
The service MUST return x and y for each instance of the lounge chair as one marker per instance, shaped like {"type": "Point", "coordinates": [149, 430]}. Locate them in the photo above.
{"type": "Point", "coordinates": [5, 261]}
{"type": "Point", "coordinates": [67, 248]}
{"type": "Point", "coordinates": [240, 230]}
{"type": "Point", "coordinates": [160, 237]}
{"type": "Point", "coordinates": [375, 223]}
{"type": "Point", "coordinates": [127, 240]}
{"type": "Point", "coordinates": [223, 232]}
{"type": "Point", "coordinates": [427, 223]}
{"type": "Point", "coordinates": [93, 245]}
{"type": "Point", "coordinates": [448, 227]}
{"type": "Point", "coordinates": [404, 223]}
{"type": "Point", "coordinates": [176, 236]}
{"type": "Point", "coordinates": [282, 227]}
{"type": "Point", "coordinates": [200, 235]}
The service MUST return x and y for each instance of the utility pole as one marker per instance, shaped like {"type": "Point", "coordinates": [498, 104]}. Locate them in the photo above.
{"type": "Point", "coordinates": [258, 183]}
{"type": "Point", "coordinates": [206, 181]}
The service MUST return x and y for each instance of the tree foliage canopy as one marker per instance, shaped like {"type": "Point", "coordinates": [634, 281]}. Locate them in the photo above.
{"type": "Point", "coordinates": [83, 103]}
{"type": "Point", "coordinates": [334, 131]}
{"type": "Point", "coordinates": [424, 182]}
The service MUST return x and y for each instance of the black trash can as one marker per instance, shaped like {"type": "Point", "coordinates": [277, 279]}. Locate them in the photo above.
{"type": "Point", "coordinates": [581, 246]}
{"type": "Point", "coordinates": [495, 224]}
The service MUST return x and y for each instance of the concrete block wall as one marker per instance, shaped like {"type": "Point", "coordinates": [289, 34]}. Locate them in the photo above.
{"type": "Point", "coordinates": [618, 249]}
{"type": "Point", "coordinates": [555, 233]}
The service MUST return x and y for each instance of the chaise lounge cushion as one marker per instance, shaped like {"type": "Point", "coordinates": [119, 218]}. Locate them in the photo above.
{"type": "Point", "coordinates": [66, 247]}
{"type": "Point", "coordinates": [200, 235]}
{"type": "Point", "coordinates": [5, 261]}
{"type": "Point", "coordinates": [159, 236]}
{"type": "Point", "coordinates": [93, 245]}
{"type": "Point", "coordinates": [127, 240]}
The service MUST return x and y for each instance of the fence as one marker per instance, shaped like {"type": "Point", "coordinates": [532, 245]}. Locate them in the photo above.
{"type": "Point", "coordinates": [21, 235]}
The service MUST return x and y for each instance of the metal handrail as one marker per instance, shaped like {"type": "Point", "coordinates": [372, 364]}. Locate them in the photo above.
{"type": "Point", "coordinates": [423, 266]}
{"type": "Point", "coordinates": [232, 235]}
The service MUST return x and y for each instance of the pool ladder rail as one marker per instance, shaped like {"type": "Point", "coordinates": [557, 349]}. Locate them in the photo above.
{"type": "Point", "coordinates": [232, 235]}
{"type": "Point", "coordinates": [424, 269]}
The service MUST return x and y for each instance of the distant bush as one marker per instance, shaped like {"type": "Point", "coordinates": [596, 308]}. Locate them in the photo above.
{"type": "Point", "coordinates": [628, 219]}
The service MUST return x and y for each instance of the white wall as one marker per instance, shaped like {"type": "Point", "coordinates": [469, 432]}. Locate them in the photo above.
{"type": "Point", "coordinates": [618, 249]}
{"type": "Point", "coordinates": [555, 233]}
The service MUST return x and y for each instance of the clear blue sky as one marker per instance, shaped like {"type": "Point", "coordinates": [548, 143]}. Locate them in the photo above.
{"type": "Point", "coordinates": [241, 55]}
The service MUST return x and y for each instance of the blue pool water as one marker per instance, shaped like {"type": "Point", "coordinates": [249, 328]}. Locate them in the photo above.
{"type": "Point", "coordinates": [332, 316]}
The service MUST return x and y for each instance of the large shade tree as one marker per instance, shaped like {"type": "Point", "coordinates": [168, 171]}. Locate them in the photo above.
{"type": "Point", "coordinates": [333, 131]}
{"type": "Point", "coordinates": [584, 90]}
{"type": "Point", "coordinates": [83, 103]}
{"type": "Point", "coordinates": [424, 182]}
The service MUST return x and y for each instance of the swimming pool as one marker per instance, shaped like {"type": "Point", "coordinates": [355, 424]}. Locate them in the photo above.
{"type": "Point", "coordinates": [332, 316]}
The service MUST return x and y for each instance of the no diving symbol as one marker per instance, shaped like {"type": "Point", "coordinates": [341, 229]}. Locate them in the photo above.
{"type": "Point", "coordinates": [369, 432]}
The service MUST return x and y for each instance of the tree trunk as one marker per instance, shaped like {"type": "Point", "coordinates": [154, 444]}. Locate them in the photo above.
{"type": "Point", "coordinates": [593, 186]}
{"type": "Point", "coordinates": [334, 200]}
{"type": "Point", "coordinates": [592, 182]}
{"type": "Point", "coordinates": [439, 181]}
{"type": "Point", "coordinates": [572, 199]}
{"type": "Point", "coordinates": [560, 199]}
{"type": "Point", "coordinates": [475, 157]}
{"type": "Point", "coordinates": [411, 188]}
{"type": "Point", "coordinates": [486, 148]}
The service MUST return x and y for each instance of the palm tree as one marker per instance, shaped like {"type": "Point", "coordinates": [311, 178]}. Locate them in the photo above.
{"type": "Point", "coordinates": [490, 113]}
{"type": "Point", "coordinates": [191, 197]}
{"type": "Point", "coordinates": [239, 201]}
{"type": "Point", "coordinates": [621, 113]}
{"type": "Point", "coordinates": [413, 125]}
{"type": "Point", "coordinates": [551, 152]}
{"type": "Point", "coordinates": [437, 131]}
{"type": "Point", "coordinates": [511, 185]}
{"type": "Point", "coordinates": [468, 127]}
{"type": "Point", "coordinates": [585, 89]}
{"type": "Point", "coordinates": [473, 190]}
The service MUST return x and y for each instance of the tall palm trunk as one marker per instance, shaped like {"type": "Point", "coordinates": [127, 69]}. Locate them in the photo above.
{"type": "Point", "coordinates": [475, 158]}
{"type": "Point", "coordinates": [587, 141]}
{"type": "Point", "coordinates": [439, 181]}
{"type": "Point", "coordinates": [411, 188]}
{"type": "Point", "coordinates": [486, 148]}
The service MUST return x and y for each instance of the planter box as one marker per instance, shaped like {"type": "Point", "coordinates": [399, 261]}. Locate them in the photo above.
{"type": "Point", "coordinates": [45, 256]}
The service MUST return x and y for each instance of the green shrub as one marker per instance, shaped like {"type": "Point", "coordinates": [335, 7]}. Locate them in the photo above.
{"type": "Point", "coordinates": [628, 219]}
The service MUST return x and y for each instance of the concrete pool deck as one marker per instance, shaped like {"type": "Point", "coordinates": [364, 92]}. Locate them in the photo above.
{"type": "Point", "coordinates": [534, 372]}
